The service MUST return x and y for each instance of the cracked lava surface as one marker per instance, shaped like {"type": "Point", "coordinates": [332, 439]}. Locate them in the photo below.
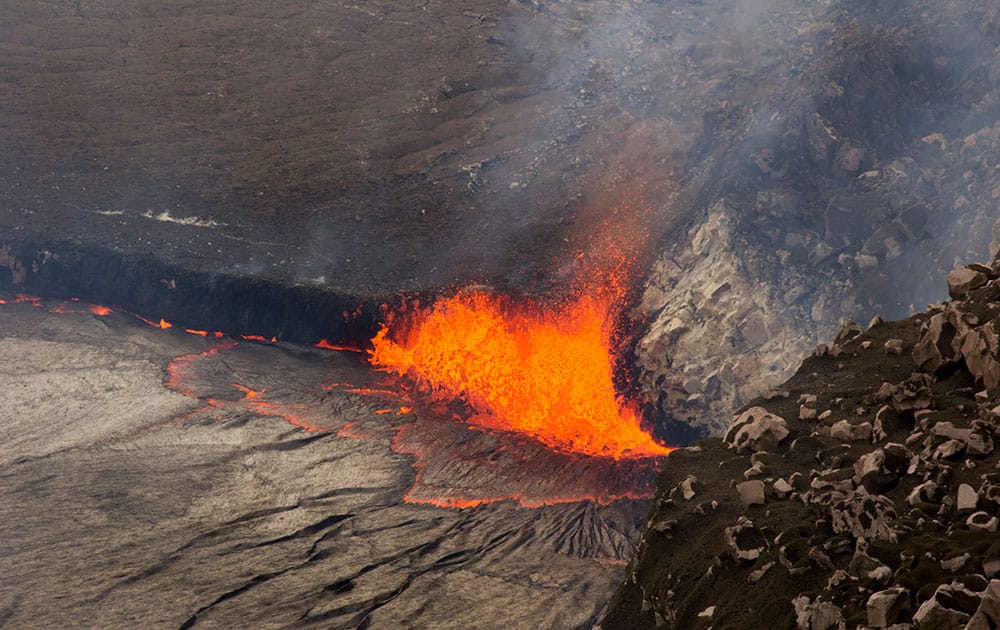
{"type": "Point", "coordinates": [204, 480]}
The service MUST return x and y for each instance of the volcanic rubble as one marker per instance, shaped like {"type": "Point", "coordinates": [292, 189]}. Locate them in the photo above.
{"type": "Point", "coordinates": [863, 492]}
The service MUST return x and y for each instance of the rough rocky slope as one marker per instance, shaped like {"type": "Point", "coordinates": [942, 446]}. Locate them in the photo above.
{"type": "Point", "coordinates": [863, 492]}
{"type": "Point", "coordinates": [845, 191]}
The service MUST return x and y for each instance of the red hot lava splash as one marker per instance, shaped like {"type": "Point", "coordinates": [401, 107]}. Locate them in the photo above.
{"type": "Point", "coordinates": [529, 368]}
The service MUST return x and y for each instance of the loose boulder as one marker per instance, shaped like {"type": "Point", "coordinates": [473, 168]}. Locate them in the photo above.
{"type": "Point", "coordinates": [980, 348]}
{"type": "Point", "coordinates": [847, 432]}
{"type": "Point", "coordinates": [982, 521]}
{"type": "Point", "coordinates": [934, 349]}
{"type": "Point", "coordinates": [967, 498]}
{"type": "Point", "coordinates": [756, 429]}
{"type": "Point", "coordinates": [963, 280]}
{"type": "Point", "coordinates": [864, 515]}
{"type": "Point", "coordinates": [885, 607]}
{"type": "Point", "coordinates": [751, 492]}
{"type": "Point", "coordinates": [913, 394]}
{"type": "Point", "coordinates": [951, 606]}
{"type": "Point", "coordinates": [987, 616]}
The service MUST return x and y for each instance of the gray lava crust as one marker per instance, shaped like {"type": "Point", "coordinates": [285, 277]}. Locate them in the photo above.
{"type": "Point", "coordinates": [138, 486]}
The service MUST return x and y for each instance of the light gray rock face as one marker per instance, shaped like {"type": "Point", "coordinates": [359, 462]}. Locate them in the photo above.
{"type": "Point", "coordinates": [702, 297]}
{"type": "Point", "coordinates": [770, 268]}
{"type": "Point", "coordinates": [727, 326]}
{"type": "Point", "coordinates": [756, 429]}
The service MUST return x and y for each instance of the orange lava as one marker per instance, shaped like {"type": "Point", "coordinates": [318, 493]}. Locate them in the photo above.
{"type": "Point", "coordinates": [164, 324]}
{"type": "Point", "coordinates": [248, 394]}
{"type": "Point", "coordinates": [66, 308]}
{"type": "Point", "coordinates": [204, 333]}
{"type": "Point", "coordinates": [458, 503]}
{"type": "Point", "coordinates": [541, 372]}
{"type": "Point", "coordinates": [178, 368]}
{"type": "Point", "coordinates": [260, 338]}
{"type": "Point", "coordinates": [21, 298]}
{"type": "Point", "coordinates": [323, 343]}
{"type": "Point", "coordinates": [541, 369]}
{"type": "Point", "coordinates": [256, 401]}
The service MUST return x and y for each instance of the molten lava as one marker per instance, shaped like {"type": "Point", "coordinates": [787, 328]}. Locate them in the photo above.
{"type": "Point", "coordinates": [525, 369]}
{"type": "Point", "coordinates": [536, 368]}
{"type": "Point", "coordinates": [260, 338]}
{"type": "Point", "coordinates": [323, 343]}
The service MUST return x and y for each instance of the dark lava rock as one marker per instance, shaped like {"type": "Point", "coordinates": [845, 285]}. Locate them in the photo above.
{"type": "Point", "coordinates": [901, 528]}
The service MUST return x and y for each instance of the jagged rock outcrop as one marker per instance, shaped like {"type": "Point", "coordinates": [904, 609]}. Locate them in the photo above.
{"type": "Point", "coordinates": [878, 506]}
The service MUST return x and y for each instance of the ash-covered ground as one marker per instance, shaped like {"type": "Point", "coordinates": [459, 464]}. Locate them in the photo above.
{"type": "Point", "coordinates": [157, 478]}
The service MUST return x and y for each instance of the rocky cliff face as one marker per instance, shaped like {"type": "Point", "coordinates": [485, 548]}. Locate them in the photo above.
{"type": "Point", "coordinates": [846, 192]}
{"type": "Point", "coordinates": [863, 492]}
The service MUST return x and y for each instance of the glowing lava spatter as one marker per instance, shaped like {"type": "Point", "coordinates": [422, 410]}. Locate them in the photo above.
{"type": "Point", "coordinates": [545, 374]}
{"type": "Point", "coordinates": [529, 367]}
